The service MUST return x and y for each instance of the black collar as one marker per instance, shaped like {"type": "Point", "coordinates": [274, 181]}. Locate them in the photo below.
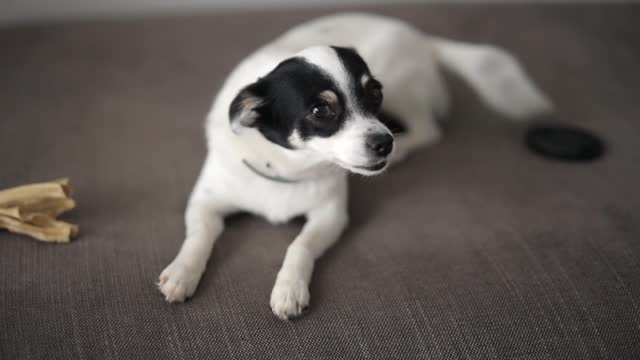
{"type": "Point", "coordinates": [269, 177]}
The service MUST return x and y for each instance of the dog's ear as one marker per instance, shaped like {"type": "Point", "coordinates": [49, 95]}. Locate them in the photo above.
{"type": "Point", "coordinates": [244, 109]}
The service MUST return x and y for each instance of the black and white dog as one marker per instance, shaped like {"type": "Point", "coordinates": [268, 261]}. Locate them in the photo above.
{"type": "Point", "coordinates": [299, 113]}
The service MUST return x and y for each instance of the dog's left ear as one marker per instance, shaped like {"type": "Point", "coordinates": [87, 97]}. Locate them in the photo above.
{"type": "Point", "coordinates": [244, 109]}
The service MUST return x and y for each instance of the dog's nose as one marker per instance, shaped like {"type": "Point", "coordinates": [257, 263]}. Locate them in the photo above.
{"type": "Point", "coordinates": [380, 144]}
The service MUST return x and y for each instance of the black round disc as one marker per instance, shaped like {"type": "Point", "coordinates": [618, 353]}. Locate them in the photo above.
{"type": "Point", "coordinates": [564, 143]}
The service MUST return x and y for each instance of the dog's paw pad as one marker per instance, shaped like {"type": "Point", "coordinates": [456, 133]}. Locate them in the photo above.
{"type": "Point", "coordinates": [178, 282]}
{"type": "Point", "coordinates": [289, 298]}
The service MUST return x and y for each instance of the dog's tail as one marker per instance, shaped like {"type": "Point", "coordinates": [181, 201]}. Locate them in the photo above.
{"type": "Point", "coordinates": [496, 76]}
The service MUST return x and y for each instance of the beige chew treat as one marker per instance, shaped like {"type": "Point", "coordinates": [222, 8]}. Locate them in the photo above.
{"type": "Point", "coordinates": [32, 210]}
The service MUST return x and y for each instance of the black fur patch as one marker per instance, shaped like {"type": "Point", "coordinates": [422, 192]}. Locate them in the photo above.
{"type": "Point", "coordinates": [392, 122]}
{"type": "Point", "coordinates": [356, 67]}
{"type": "Point", "coordinates": [289, 93]}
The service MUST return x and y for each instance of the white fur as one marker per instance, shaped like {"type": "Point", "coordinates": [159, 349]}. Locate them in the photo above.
{"type": "Point", "coordinates": [406, 62]}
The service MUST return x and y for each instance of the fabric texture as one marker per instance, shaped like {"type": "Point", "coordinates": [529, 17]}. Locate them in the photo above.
{"type": "Point", "coordinates": [472, 249]}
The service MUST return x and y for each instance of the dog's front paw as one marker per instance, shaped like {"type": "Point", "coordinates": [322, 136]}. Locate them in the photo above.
{"type": "Point", "coordinates": [289, 298]}
{"type": "Point", "coordinates": [178, 282]}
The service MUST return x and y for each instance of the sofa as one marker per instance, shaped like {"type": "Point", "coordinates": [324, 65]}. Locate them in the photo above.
{"type": "Point", "coordinates": [473, 248]}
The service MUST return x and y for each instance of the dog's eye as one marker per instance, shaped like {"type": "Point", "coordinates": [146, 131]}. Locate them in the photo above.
{"type": "Point", "coordinates": [322, 112]}
{"type": "Point", "coordinates": [374, 92]}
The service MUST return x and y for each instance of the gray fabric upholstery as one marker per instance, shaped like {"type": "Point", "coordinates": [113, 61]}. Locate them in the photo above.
{"type": "Point", "coordinates": [472, 249]}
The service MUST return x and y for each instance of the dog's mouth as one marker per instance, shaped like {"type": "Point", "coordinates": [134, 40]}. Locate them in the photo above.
{"type": "Point", "coordinates": [366, 170]}
{"type": "Point", "coordinates": [369, 170]}
{"type": "Point", "coordinates": [376, 167]}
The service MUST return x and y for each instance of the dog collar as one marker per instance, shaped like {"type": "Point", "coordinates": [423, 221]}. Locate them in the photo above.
{"type": "Point", "coordinates": [268, 177]}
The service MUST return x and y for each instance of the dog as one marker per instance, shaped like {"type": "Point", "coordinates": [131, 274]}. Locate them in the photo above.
{"type": "Point", "coordinates": [300, 113]}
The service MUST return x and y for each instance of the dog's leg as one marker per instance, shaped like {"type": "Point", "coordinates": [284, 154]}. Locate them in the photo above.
{"type": "Point", "coordinates": [204, 222]}
{"type": "Point", "coordinates": [290, 295]}
{"type": "Point", "coordinates": [422, 132]}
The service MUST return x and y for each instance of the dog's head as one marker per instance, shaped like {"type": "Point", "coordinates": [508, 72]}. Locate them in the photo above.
{"type": "Point", "coordinates": [324, 100]}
